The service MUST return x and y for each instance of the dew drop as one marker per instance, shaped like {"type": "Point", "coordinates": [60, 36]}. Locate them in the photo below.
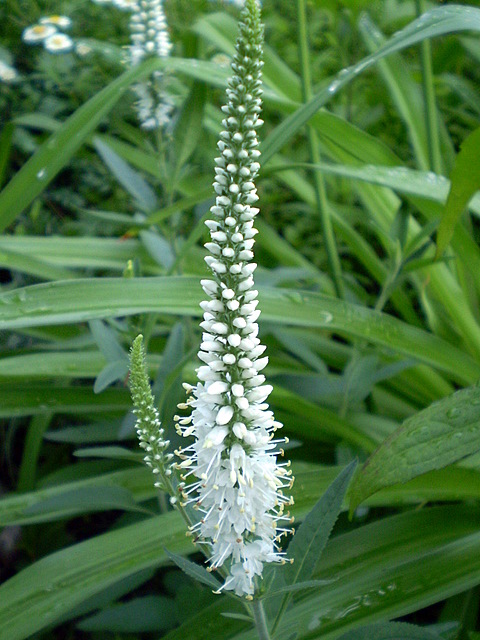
{"type": "Point", "coordinates": [325, 317]}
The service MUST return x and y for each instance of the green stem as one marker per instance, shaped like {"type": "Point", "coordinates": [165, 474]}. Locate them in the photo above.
{"type": "Point", "coordinates": [318, 181]}
{"type": "Point", "coordinates": [28, 468]}
{"type": "Point", "coordinates": [434, 152]}
{"type": "Point", "coordinates": [260, 620]}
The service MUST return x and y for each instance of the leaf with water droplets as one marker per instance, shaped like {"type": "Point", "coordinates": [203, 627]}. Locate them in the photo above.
{"type": "Point", "coordinates": [441, 434]}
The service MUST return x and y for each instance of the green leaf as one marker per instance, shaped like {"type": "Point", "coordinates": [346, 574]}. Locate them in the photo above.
{"type": "Point", "coordinates": [85, 500]}
{"type": "Point", "coordinates": [53, 586]}
{"type": "Point", "coordinates": [112, 453]}
{"type": "Point", "coordinates": [80, 300]}
{"type": "Point", "coordinates": [309, 541]}
{"type": "Point", "coordinates": [465, 181]}
{"type": "Point", "coordinates": [441, 434]}
{"type": "Point", "coordinates": [311, 537]}
{"type": "Point", "coordinates": [130, 179]}
{"type": "Point", "coordinates": [299, 586]}
{"type": "Point", "coordinates": [389, 568]}
{"type": "Point", "coordinates": [56, 152]}
{"type": "Point", "coordinates": [158, 247]}
{"type": "Point", "coordinates": [112, 372]}
{"type": "Point", "coordinates": [391, 631]}
{"type": "Point", "coordinates": [188, 127]}
{"type": "Point", "coordinates": [194, 570]}
{"type": "Point", "coordinates": [107, 341]}
{"type": "Point", "coordinates": [438, 21]}
{"type": "Point", "coordinates": [6, 137]}
{"type": "Point", "coordinates": [24, 508]}
{"type": "Point", "coordinates": [140, 615]}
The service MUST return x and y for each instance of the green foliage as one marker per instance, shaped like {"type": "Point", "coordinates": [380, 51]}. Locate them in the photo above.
{"type": "Point", "coordinates": [102, 227]}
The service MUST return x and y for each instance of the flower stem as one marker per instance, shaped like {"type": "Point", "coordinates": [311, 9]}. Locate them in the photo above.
{"type": "Point", "coordinates": [434, 152]}
{"type": "Point", "coordinates": [318, 181]}
{"type": "Point", "coordinates": [260, 620]}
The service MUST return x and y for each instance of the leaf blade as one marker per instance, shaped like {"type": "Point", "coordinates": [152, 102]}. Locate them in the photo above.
{"type": "Point", "coordinates": [441, 434]}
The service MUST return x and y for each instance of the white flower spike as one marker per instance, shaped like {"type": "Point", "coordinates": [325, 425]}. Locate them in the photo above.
{"type": "Point", "coordinates": [149, 37]}
{"type": "Point", "coordinates": [238, 482]}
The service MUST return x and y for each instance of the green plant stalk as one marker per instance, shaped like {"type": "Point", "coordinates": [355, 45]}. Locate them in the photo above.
{"type": "Point", "coordinates": [260, 620]}
{"type": "Point", "coordinates": [33, 442]}
{"type": "Point", "coordinates": [434, 152]}
{"type": "Point", "coordinates": [318, 181]}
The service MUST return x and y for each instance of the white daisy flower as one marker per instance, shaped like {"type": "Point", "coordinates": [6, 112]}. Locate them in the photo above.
{"type": "Point", "coordinates": [62, 22]}
{"type": "Point", "coordinates": [59, 43]}
{"type": "Point", "coordinates": [38, 33]}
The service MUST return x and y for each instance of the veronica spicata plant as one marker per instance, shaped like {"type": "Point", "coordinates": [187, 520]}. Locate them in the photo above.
{"type": "Point", "coordinates": [237, 481]}
{"type": "Point", "coordinates": [149, 37]}
{"type": "Point", "coordinates": [238, 486]}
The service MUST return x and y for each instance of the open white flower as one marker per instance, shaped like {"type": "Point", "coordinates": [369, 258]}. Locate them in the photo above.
{"type": "Point", "coordinates": [62, 22]}
{"type": "Point", "coordinates": [238, 482]}
{"type": "Point", "coordinates": [58, 43]}
{"type": "Point", "coordinates": [38, 33]}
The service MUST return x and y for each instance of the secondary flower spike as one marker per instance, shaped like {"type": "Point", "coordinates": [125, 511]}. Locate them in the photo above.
{"type": "Point", "coordinates": [237, 481]}
{"type": "Point", "coordinates": [149, 36]}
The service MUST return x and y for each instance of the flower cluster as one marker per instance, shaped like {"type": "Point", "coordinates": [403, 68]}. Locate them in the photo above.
{"type": "Point", "coordinates": [149, 36]}
{"type": "Point", "coordinates": [47, 32]}
{"type": "Point", "coordinates": [237, 481]}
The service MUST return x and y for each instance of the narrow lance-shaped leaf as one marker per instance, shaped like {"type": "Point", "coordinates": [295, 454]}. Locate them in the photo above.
{"type": "Point", "coordinates": [311, 537]}
{"type": "Point", "coordinates": [134, 183]}
{"type": "Point", "coordinates": [465, 181]}
{"type": "Point", "coordinates": [195, 571]}
{"type": "Point", "coordinates": [441, 434]}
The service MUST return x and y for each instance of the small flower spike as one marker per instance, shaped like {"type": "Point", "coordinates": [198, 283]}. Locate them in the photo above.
{"type": "Point", "coordinates": [149, 37]}
{"type": "Point", "coordinates": [148, 427]}
{"type": "Point", "coordinates": [231, 471]}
